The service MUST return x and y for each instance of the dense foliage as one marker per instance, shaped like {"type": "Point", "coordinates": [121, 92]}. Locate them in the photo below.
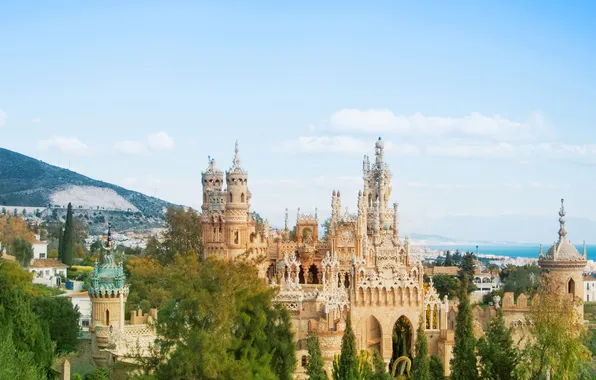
{"type": "Point", "coordinates": [314, 369]}
{"type": "Point", "coordinates": [446, 285]}
{"type": "Point", "coordinates": [421, 364]}
{"type": "Point", "coordinates": [347, 368]}
{"type": "Point", "coordinates": [436, 368]}
{"type": "Point", "coordinates": [62, 320]}
{"type": "Point", "coordinates": [522, 279]}
{"type": "Point", "coordinates": [463, 362]}
{"type": "Point", "coordinates": [68, 241]}
{"type": "Point", "coordinates": [498, 356]}
{"type": "Point", "coordinates": [22, 250]}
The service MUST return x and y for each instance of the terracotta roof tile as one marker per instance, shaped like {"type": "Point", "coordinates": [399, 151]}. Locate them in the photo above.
{"type": "Point", "coordinates": [47, 263]}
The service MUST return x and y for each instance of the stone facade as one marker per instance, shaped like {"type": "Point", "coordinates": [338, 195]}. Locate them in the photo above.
{"type": "Point", "coordinates": [362, 266]}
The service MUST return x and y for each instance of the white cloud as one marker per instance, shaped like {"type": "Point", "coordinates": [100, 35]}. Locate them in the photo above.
{"type": "Point", "coordinates": [70, 145]}
{"type": "Point", "coordinates": [36, 120]}
{"type": "Point", "coordinates": [474, 124]}
{"type": "Point", "coordinates": [3, 118]}
{"type": "Point", "coordinates": [160, 141]}
{"type": "Point", "coordinates": [340, 144]}
{"type": "Point", "coordinates": [129, 147]}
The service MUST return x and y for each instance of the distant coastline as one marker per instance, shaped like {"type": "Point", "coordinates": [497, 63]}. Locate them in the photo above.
{"type": "Point", "coordinates": [507, 249]}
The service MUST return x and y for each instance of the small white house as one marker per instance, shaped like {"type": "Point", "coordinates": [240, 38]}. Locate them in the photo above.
{"type": "Point", "coordinates": [589, 289]}
{"type": "Point", "coordinates": [82, 300]}
{"type": "Point", "coordinates": [48, 272]}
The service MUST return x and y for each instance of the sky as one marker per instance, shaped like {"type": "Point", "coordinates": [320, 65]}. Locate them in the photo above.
{"type": "Point", "coordinates": [486, 108]}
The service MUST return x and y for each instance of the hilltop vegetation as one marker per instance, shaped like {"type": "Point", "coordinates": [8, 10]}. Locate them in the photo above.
{"type": "Point", "coordinates": [34, 183]}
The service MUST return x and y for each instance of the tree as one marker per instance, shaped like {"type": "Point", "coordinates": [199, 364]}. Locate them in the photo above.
{"type": "Point", "coordinates": [457, 257]}
{"type": "Point", "coordinates": [421, 364]}
{"type": "Point", "coordinates": [258, 219]}
{"type": "Point", "coordinates": [467, 268]}
{"type": "Point", "coordinates": [463, 363]}
{"type": "Point", "coordinates": [448, 261]}
{"type": "Point", "coordinates": [348, 359]}
{"type": "Point", "coordinates": [446, 285]}
{"type": "Point", "coordinates": [16, 364]}
{"type": "Point", "coordinates": [68, 238]}
{"type": "Point", "coordinates": [182, 236]}
{"type": "Point", "coordinates": [62, 319]}
{"type": "Point", "coordinates": [523, 279]}
{"type": "Point", "coordinates": [555, 343]}
{"type": "Point", "coordinates": [315, 368]}
{"type": "Point", "coordinates": [217, 321]}
{"type": "Point", "coordinates": [380, 368]}
{"type": "Point", "coordinates": [3, 210]}
{"type": "Point", "coordinates": [22, 250]}
{"type": "Point", "coordinates": [325, 226]}
{"type": "Point", "coordinates": [437, 372]}
{"type": "Point", "coordinates": [60, 243]}
{"type": "Point", "coordinates": [498, 356]}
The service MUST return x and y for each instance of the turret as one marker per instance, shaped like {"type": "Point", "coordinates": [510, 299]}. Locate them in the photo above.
{"type": "Point", "coordinates": [238, 195]}
{"type": "Point", "coordinates": [212, 180]}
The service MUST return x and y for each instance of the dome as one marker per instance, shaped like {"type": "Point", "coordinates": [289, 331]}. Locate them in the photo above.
{"type": "Point", "coordinates": [380, 144]}
{"type": "Point", "coordinates": [563, 251]}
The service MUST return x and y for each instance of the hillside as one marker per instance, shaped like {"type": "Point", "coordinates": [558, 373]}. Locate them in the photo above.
{"type": "Point", "coordinates": [25, 181]}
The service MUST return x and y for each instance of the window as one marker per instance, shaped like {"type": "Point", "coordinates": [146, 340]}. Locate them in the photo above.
{"type": "Point", "coordinates": [85, 323]}
{"type": "Point", "coordinates": [304, 361]}
{"type": "Point", "coordinates": [107, 317]}
{"type": "Point", "coordinates": [42, 255]}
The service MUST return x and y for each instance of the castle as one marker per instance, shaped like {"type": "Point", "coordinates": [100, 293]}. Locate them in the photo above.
{"type": "Point", "coordinates": [361, 267]}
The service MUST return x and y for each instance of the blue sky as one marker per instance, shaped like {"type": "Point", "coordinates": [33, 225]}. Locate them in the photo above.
{"type": "Point", "coordinates": [487, 109]}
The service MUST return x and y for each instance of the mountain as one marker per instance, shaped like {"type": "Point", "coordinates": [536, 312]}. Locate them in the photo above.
{"type": "Point", "coordinates": [25, 181]}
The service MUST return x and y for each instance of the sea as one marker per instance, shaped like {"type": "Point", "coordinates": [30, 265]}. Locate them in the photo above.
{"type": "Point", "coordinates": [512, 250]}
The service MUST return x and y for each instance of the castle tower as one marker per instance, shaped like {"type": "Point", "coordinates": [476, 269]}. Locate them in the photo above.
{"type": "Point", "coordinates": [213, 210]}
{"type": "Point", "coordinates": [377, 186]}
{"type": "Point", "coordinates": [564, 265]}
{"type": "Point", "coordinates": [239, 223]}
{"type": "Point", "coordinates": [108, 293]}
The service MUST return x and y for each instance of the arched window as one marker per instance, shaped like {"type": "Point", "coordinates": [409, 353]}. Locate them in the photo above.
{"type": "Point", "coordinates": [571, 287]}
{"type": "Point", "coordinates": [304, 361]}
{"type": "Point", "coordinates": [107, 317]}
{"type": "Point", "coordinates": [242, 197]}
{"type": "Point", "coordinates": [236, 238]}
{"type": "Point", "coordinates": [231, 198]}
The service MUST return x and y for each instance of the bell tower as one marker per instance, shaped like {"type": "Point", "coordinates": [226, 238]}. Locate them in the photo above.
{"type": "Point", "coordinates": [213, 208]}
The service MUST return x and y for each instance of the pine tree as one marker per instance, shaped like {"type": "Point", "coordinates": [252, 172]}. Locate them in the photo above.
{"type": "Point", "coordinates": [448, 261]}
{"type": "Point", "coordinates": [463, 363]}
{"type": "Point", "coordinates": [68, 238]}
{"type": "Point", "coordinates": [348, 360]}
{"type": "Point", "coordinates": [421, 365]}
{"type": "Point", "coordinates": [315, 369]}
{"type": "Point", "coordinates": [498, 356]}
{"type": "Point", "coordinates": [437, 372]}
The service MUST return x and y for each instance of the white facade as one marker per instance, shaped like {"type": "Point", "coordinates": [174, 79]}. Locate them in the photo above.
{"type": "Point", "coordinates": [48, 272]}
{"type": "Point", "coordinates": [589, 289]}
{"type": "Point", "coordinates": [486, 283]}
{"type": "Point", "coordinates": [82, 300]}
{"type": "Point", "coordinates": [40, 250]}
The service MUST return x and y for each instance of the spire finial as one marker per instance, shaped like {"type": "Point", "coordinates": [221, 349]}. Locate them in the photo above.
{"type": "Point", "coordinates": [236, 156]}
{"type": "Point", "coordinates": [562, 230]}
{"type": "Point", "coordinates": [109, 242]}
{"type": "Point", "coordinates": [287, 226]}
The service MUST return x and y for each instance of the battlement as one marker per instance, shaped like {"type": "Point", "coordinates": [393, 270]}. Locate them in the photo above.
{"type": "Point", "coordinates": [509, 303]}
{"type": "Point", "coordinates": [140, 318]}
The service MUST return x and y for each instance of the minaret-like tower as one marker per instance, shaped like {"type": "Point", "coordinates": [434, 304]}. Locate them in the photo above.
{"type": "Point", "coordinates": [239, 224]}
{"type": "Point", "coordinates": [213, 209]}
{"type": "Point", "coordinates": [108, 293]}
{"type": "Point", "coordinates": [563, 265]}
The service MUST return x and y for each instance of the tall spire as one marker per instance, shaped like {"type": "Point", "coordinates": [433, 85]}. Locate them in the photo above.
{"type": "Point", "coordinates": [287, 227]}
{"type": "Point", "coordinates": [396, 220]}
{"type": "Point", "coordinates": [236, 168]}
{"type": "Point", "coordinates": [562, 230]}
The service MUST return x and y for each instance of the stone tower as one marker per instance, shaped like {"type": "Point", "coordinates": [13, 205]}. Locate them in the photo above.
{"type": "Point", "coordinates": [238, 220]}
{"type": "Point", "coordinates": [213, 210]}
{"type": "Point", "coordinates": [564, 265]}
{"type": "Point", "coordinates": [108, 293]}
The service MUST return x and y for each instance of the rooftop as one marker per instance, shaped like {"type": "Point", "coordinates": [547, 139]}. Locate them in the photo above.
{"type": "Point", "coordinates": [47, 263]}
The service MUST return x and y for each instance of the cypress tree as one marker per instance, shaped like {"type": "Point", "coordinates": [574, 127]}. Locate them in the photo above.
{"type": "Point", "coordinates": [348, 360]}
{"type": "Point", "coordinates": [463, 363]}
{"type": "Point", "coordinates": [68, 238]}
{"type": "Point", "coordinates": [448, 261]}
{"type": "Point", "coordinates": [380, 366]}
{"type": "Point", "coordinates": [60, 237]}
{"type": "Point", "coordinates": [498, 356]}
{"type": "Point", "coordinates": [437, 372]}
{"type": "Point", "coordinates": [421, 365]}
{"type": "Point", "coordinates": [315, 368]}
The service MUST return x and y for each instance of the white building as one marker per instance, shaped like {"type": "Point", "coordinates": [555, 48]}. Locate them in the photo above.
{"type": "Point", "coordinates": [82, 300]}
{"type": "Point", "coordinates": [40, 249]}
{"type": "Point", "coordinates": [589, 289]}
{"type": "Point", "coordinates": [48, 272]}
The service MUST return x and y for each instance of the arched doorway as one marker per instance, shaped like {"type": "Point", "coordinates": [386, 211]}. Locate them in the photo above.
{"type": "Point", "coordinates": [313, 274]}
{"type": "Point", "coordinates": [372, 336]}
{"type": "Point", "coordinates": [402, 339]}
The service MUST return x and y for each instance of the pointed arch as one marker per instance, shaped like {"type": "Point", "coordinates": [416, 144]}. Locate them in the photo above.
{"type": "Point", "coordinates": [571, 287]}
{"type": "Point", "coordinates": [242, 200]}
{"type": "Point", "coordinates": [372, 335]}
